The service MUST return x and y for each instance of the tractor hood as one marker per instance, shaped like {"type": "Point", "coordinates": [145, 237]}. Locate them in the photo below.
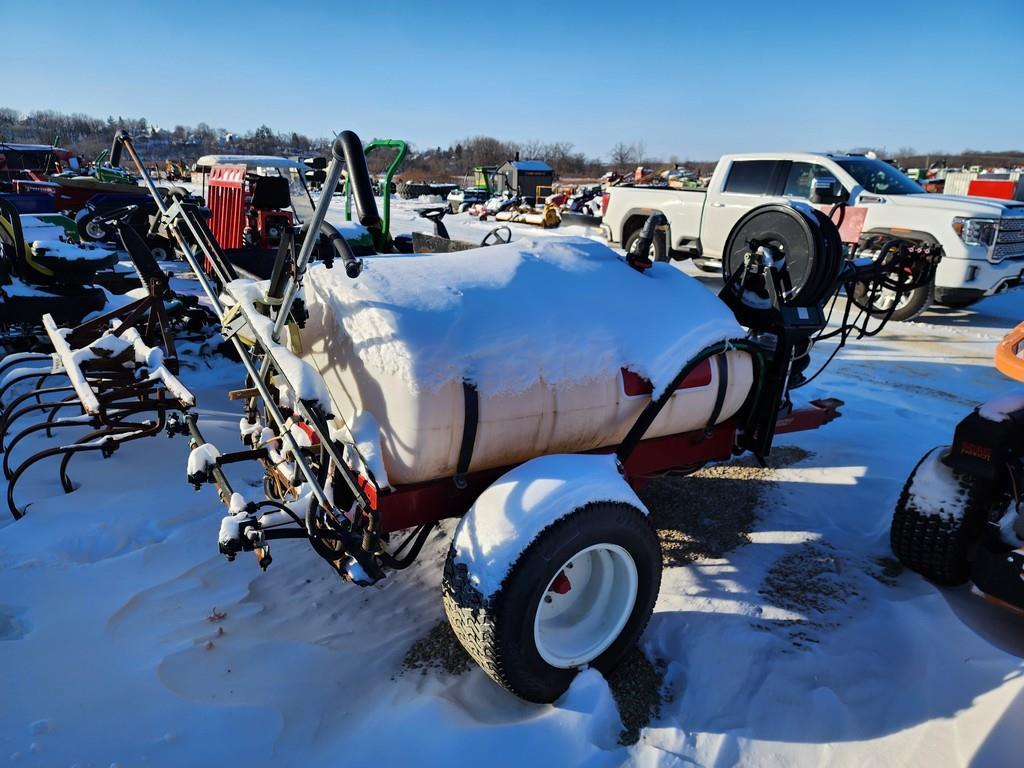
{"type": "Point", "coordinates": [957, 205]}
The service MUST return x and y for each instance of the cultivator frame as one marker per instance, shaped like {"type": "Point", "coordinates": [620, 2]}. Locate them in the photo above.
{"type": "Point", "coordinates": [123, 388]}
{"type": "Point", "coordinates": [350, 531]}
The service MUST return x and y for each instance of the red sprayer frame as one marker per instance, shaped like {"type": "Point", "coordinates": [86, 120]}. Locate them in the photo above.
{"type": "Point", "coordinates": [410, 505]}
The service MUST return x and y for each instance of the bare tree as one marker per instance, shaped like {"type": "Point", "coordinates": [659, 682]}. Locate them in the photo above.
{"type": "Point", "coordinates": [640, 151]}
{"type": "Point", "coordinates": [622, 155]}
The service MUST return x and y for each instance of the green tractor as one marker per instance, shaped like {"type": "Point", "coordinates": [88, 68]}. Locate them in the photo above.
{"type": "Point", "coordinates": [482, 190]}
{"type": "Point", "coordinates": [103, 171]}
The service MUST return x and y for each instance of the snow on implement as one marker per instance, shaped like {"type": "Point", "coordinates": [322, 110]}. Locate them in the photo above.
{"type": "Point", "coordinates": [527, 388]}
{"type": "Point", "coordinates": [106, 374]}
{"type": "Point", "coordinates": [959, 516]}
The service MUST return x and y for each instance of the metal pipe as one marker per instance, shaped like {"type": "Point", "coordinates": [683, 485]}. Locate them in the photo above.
{"type": "Point", "coordinates": [306, 251]}
{"type": "Point", "coordinates": [220, 479]}
{"type": "Point", "coordinates": [259, 383]}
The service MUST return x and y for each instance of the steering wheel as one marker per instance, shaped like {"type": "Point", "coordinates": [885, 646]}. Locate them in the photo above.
{"type": "Point", "coordinates": [500, 235]}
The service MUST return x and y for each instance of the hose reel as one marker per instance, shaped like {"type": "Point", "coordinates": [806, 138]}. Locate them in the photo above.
{"type": "Point", "coordinates": [780, 257]}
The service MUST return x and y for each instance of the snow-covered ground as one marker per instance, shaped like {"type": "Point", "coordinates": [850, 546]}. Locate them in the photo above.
{"type": "Point", "coordinates": [126, 639]}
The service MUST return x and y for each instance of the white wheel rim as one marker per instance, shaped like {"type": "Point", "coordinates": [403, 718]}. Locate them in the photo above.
{"type": "Point", "coordinates": [887, 297]}
{"type": "Point", "coordinates": [585, 606]}
{"type": "Point", "coordinates": [95, 230]}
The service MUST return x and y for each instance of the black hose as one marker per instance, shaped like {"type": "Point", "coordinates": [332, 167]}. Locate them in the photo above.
{"type": "Point", "coordinates": [116, 147]}
{"type": "Point", "coordinates": [420, 536]}
{"type": "Point", "coordinates": [283, 508]}
{"type": "Point", "coordinates": [650, 413]}
{"type": "Point", "coordinates": [342, 250]}
{"type": "Point", "coordinates": [349, 146]}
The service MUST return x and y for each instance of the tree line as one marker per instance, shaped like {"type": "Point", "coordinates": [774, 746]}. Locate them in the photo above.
{"type": "Point", "coordinates": [88, 135]}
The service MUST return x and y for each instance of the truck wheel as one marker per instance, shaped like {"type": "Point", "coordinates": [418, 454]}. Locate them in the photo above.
{"type": "Point", "coordinates": [909, 306]}
{"type": "Point", "coordinates": [578, 594]}
{"type": "Point", "coordinates": [934, 537]}
{"type": "Point", "coordinates": [657, 251]}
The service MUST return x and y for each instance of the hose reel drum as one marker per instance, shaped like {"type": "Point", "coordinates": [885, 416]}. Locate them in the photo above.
{"type": "Point", "coordinates": [781, 257]}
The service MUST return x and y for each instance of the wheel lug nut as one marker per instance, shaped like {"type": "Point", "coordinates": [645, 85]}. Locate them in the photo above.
{"type": "Point", "coordinates": [547, 598]}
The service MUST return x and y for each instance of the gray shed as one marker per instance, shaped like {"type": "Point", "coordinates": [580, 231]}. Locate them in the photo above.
{"type": "Point", "coordinates": [524, 176]}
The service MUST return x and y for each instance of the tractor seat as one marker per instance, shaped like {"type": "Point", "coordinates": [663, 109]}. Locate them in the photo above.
{"type": "Point", "coordinates": [53, 262]}
{"type": "Point", "coordinates": [271, 193]}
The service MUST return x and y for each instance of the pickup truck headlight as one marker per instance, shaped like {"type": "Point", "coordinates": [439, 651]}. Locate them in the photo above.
{"type": "Point", "coordinates": [976, 231]}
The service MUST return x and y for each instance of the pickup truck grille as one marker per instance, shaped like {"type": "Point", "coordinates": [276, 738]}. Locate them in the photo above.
{"type": "Point", "coordinates": [1010, 240]}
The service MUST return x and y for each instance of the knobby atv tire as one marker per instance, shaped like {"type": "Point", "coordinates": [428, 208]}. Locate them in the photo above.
{"type": "Point", "coordinates": [498, 632]}
{"type": "Point", "coordinates": [934, 542]}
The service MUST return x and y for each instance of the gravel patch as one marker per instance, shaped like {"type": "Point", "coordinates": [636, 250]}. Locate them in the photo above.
{"type": "Point", "coordinates": [438, 650]}
{"type": "Point", "coordinates": [808, 580]}
{"type": "Point", "coordinates": [814, 582]}
{"type": "Point", "coordinates": [637, 687]}
{"type": "Point", "coordinates": [708, 514]}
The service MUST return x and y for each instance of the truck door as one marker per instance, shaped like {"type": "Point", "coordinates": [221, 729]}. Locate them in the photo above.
{"type": "Point", "coordinates": [799, 176]}
{"type": "Point", "coordinates": [748, 184]}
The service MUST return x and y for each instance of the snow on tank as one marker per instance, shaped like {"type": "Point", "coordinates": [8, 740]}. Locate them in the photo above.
{"type": "Point", "coordinates": [541, 327]}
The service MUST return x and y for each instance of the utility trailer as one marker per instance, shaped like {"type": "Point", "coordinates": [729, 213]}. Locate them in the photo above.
{"type": "Point", "coordinates": [518, 387]}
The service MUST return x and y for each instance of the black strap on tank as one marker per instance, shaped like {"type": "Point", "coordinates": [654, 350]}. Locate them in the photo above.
{"type": "Point", "coordinates": [723, 385]}
{"type": "Point", "coordinates": [471, 397]}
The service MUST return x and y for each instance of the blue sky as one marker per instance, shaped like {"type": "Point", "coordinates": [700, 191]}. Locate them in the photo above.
{"type": "Point", "coordinates": [690, 79]}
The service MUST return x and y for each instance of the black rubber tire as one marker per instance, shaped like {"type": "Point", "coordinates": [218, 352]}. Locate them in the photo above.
{"type": "Point", "coordinates": [933, 542]}
{"type": "Point", "coordinates": [410, 190]}
{"type": "Point", "coordinates": [918, 301]}
{"type": "Point", "coordinates": [405, 190]}
{"type": "Point", "coordinates": [85, 235]}
{"type": "Point", "coordinates": [161, 248]}
{"type": "Point", "coordinates": [498, 632]}
{"type": "Point", "coordinates": [658, 244]}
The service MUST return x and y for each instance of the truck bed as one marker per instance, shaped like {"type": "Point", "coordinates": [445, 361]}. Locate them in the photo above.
{"type": "Point", "coordinates": [629, 205]}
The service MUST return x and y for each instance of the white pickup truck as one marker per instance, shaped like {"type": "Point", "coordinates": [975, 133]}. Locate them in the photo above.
{"type": "Point", "coordinates": [982, 239]}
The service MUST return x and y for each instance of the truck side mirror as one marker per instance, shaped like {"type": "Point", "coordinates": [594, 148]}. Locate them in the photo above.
{"type": "Point", "coordinates": [826, 190]}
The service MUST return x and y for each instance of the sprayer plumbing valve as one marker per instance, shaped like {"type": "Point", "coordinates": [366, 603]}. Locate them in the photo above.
{"type": "Point", "coordinates": [175, 425]}
{"type": "Point", "coordinates": [201, 461]}
{"type": "Point", "coordinates": [240, 531]}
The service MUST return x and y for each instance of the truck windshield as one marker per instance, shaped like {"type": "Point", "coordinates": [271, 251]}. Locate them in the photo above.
{"type": "Point", "coordinates": [879, 178]}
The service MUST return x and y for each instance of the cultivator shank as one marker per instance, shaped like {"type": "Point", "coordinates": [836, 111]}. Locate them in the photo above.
{"type": "Point", "coordinates": [113, 381]}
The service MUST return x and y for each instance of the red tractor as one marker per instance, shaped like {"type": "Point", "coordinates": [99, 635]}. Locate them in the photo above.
{"type": "Point", "coordinates": [252, 198]}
